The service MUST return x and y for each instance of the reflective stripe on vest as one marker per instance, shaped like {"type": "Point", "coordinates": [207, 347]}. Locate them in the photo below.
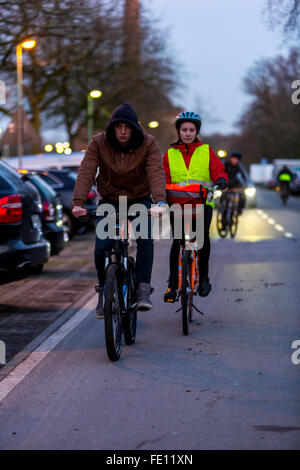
{"type": "Point", "coordinates": [184, 194]}
{"type": "Point", "coordinates": [198, 171]}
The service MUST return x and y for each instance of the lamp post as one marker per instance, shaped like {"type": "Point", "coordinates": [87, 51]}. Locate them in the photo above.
{"type": "Point", "coordinates": [27, 45]}
{"type": "Point", "coordinates": [90, 111]}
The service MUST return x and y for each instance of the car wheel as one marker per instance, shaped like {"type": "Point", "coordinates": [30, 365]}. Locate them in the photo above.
{"type": "Point", "coordinates": [69, 223]}
{"type": "Point", "coordinates": [36, 269]}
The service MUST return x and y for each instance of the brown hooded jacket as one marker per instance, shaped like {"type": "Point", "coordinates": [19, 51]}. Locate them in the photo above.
{"type": "Point", "coordinates": [135, 171]}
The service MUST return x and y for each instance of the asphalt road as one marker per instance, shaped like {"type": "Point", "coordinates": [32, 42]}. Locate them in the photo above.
{"type": "Point", "coordinates": [230, 384]}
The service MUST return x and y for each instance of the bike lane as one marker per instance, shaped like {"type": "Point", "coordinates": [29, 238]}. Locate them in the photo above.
{"type": "Point", "coordinates": [230, 384]}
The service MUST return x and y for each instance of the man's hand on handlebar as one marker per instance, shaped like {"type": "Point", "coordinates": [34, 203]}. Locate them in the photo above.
{"type": "Point", "coordinates": [157, 210]}
{"type": "Point", "coordinates": [78, 211]}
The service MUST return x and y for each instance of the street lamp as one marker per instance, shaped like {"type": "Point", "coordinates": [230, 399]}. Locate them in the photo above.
{"type": "Point", "coordinates": [153, 124]}
{"type": "Point", "coordinates": [90, 111]}
{"type": "Point", "coordinates": [29, 44]}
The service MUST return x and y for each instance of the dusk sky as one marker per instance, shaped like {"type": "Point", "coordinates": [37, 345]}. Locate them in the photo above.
{"type": "Point", "coordinates": [217, 41]}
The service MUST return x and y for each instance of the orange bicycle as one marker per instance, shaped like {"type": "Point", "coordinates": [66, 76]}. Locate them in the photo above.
{"type": "Point", "coordinates": [188, 281]}
{"type": "Point", "coordinates": [188, 271]}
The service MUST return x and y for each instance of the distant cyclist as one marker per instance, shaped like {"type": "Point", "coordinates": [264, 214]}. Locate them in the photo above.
{"type": "Point", "coordinates": [284, 177]}
{"type": "Point", "coordinates": [188, 160]}
{"type": "Point", "coordinates": [237, 177]}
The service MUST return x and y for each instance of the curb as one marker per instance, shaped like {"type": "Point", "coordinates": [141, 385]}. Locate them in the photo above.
{"type": "Point", "coordinates": [29, 348]}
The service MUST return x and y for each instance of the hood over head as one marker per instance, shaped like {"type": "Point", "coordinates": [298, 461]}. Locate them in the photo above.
{"type": "Point", "coordinates": [125, 113]}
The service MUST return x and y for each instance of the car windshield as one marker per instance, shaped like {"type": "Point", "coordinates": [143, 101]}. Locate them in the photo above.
{"type": "Point", "coordinates": [68, 178]}
{"type": "Point", "coordinates": [10, 173]}
{"type": "Point", "coordinates": [44, 187]}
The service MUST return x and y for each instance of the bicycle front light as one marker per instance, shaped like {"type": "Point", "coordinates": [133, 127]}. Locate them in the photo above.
{"type": "Point", "coordinates": [217, 193]}
{"type": "Point", "coordinates": [250, 192]}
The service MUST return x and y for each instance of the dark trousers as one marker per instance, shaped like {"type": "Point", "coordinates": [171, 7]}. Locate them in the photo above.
{"type": "Point", "coordinates": [203, 253]}
{"type": "Point", "coordinates": [144, 255]}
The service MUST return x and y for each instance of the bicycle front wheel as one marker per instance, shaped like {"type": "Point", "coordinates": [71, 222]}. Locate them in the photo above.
{"type": "Point", "coordinates": [186, 294]}
{"type": "Point", "coordinates": [222, 225]}
{"type": "Point", "coordinates": [233, 223]}
{"type": "Point", "coordinates": [112, 313]}
{"type": "Point", "coordinates": [130, 317]}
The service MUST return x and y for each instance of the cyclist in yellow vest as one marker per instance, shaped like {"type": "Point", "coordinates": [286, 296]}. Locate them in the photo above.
{"type": "Point", "coordinates": [189, 161]}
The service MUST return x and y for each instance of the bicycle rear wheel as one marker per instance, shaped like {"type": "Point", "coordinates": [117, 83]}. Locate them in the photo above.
{"type": "Point", "coordinates": [284, 194]}
{"type": "Point", "coordinates": [112, 313]}
{"type": "Point", "coordinates": [130, 317]}
{"type": "Point", "coordinates": [186, 294]}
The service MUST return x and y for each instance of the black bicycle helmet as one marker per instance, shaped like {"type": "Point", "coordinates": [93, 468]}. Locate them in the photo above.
{"type": "Point", "coordinates": [190, 117]}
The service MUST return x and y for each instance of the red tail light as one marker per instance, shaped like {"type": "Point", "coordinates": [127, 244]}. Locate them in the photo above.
{"type": "Point", "coordinates": [91, 194]}
{"type": "Point", "coordinates": [48, 211]}
{"type": "Point", "coordinates": [10, 209]}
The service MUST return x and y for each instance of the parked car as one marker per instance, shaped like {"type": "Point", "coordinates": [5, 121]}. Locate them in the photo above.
{"type": "Point", "coordinates": [295, 183]}
{"type": "Point", "coordinates": [53, 228]}
{"type": "Point", "coordinates": [63, 182]}
{"type": "Point", "coordinates": [22, 244]}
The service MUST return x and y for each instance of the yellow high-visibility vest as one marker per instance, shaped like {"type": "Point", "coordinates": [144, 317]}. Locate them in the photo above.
{"type": "Point", "coordinates": [198, 171]}
{"type": "Point", "coordinates": [285, 177]}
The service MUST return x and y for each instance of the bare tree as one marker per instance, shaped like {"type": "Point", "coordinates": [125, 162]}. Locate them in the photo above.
{"type": "Point", "coordinates": [285, 14]}
{"type": "Point", "coordinates": [271, 122]}
{"type": "Point", "coordinates": [80, 46]}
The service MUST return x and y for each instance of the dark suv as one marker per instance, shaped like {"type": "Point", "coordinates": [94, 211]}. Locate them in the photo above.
{"type": "Point", "coordinates": [22, 244]}
{"type": "Point", "coordinates": [63, 182]}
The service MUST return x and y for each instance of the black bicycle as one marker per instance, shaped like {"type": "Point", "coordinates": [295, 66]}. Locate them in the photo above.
{"type": "Point", "coordinates": [120, 312]}
{"type": "Point", "coordinates": [228, 214]}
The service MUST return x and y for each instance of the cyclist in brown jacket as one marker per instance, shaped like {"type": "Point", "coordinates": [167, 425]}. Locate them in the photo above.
{"type": "Point", "coordinates": [130, 164]}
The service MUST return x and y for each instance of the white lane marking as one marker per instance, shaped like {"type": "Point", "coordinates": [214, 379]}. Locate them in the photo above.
{"type": "Point", "coordinates": [271, 221]}
{"type": "Point", "coordinates": [34, 358]}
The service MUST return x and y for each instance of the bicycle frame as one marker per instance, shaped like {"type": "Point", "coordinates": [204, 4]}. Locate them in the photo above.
{"type": "Point", "coordinates": [194, 272]}
{"type": "Point", "coordinates": [118, 254]}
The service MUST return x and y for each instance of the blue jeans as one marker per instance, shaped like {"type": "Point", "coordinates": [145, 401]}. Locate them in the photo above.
{"type": "Point", "coordinates": [145, 249]}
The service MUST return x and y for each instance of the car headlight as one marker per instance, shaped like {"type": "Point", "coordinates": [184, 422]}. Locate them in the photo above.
{"type": "Point", "coordinates": [250, 192]}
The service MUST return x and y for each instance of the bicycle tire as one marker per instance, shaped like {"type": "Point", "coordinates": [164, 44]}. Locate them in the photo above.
{"type": "Point", "coordinates": [112, 314]}
{"type": "Point", "coordinates": [233, 223]}
{"type": "Point", "coordinates": [130, 317]}
{"type": "Point", "coordinates": [186, 294]}
{"type": "Point", "coordinates": [220, 227]}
